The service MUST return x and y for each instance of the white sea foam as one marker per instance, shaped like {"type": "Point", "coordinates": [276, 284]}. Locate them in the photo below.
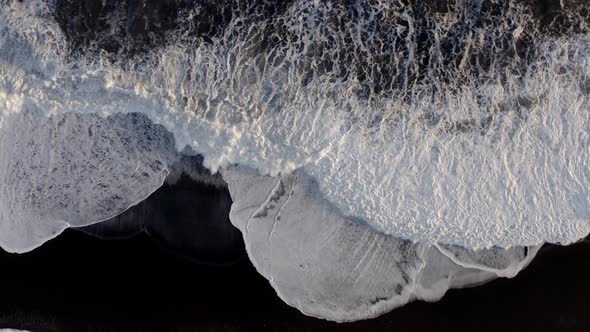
{"type": "Point", "coordinates": [74, 170]}
{"type": "Point", "coordinates": [442, 156]}
{"type": "Point", "coordinates": [332, 267]}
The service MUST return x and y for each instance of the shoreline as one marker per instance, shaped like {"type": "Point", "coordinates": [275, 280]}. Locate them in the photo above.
{"type": "Point", "coordinates": [134, 285]}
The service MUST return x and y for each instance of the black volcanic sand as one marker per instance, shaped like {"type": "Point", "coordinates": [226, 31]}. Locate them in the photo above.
{"type": "Point", "coordinates": [189, 218]}
{"type": "Point", "coordinates": [79, 283]}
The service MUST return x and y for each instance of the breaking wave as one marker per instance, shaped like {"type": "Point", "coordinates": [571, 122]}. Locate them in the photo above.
{"type": "Point", "coordinates": [434, 128]}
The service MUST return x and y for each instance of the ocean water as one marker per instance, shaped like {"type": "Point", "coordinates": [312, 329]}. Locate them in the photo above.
{"type": "Point", "coordinates": [432, 128]}
{"type": "Point", "coordinates": [429, 128]}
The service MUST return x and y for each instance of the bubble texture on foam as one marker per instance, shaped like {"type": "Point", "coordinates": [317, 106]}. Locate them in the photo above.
{"type": "Point", "coordinates": [74, 170]}
{"type": "Point", "coordinates": [468, 126]}
{"type": "Point", "coordinates": [335, 268]}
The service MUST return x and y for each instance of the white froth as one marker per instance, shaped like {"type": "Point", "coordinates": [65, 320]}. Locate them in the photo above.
{"type": "Point", "coordinates": [499, 162]}
{"type": "Point", "coordinates": [49, 184]}
{"type": "Point", "coordinates": [334, 268]}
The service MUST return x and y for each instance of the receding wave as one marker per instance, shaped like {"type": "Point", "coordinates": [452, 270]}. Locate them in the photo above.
{"type": "Point", "coordinates": [467, 126]}
{"type": "Point", "coordinates": [442, 135]}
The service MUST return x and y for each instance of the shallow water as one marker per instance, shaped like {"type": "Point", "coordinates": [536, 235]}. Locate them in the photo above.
{"type": "Point", "coordinates": [468, 126]}
{"type": "Point", "coordinates": [375, 152]}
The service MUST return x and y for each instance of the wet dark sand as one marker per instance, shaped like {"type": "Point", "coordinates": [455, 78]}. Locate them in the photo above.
{"type": "Point", "coordinates": [79, 283]}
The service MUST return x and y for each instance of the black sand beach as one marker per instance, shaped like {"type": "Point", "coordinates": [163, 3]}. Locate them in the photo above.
{"type": "Point", "coordinates": [189, 277]}
{"type": "Point", "coordinates": [79, 283]}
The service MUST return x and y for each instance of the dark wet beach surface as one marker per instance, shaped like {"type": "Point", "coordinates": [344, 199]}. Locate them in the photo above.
{"type": "Point", "coordinates": [152, 278]}
{"type": "Point", "coordinates": [140, 283]}
{"type": "Point", "coordinates": [79, 283]}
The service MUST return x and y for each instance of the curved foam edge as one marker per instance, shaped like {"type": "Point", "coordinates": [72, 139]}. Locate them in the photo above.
{"type": "Point", "coordinates": [502, 262]}
{"type": "Point", "coordinates": [133, 221]}
{"type": "Point", "coordinates": [326, 265]}
{"type": "Point", "coordinates": [188, 216]}
{"type": "Point", "coordinates": [332, 267]}
{"type": "Point", "coordinates": [338, 136]}
{"type": "Point", "coordinates": [72, 170]}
